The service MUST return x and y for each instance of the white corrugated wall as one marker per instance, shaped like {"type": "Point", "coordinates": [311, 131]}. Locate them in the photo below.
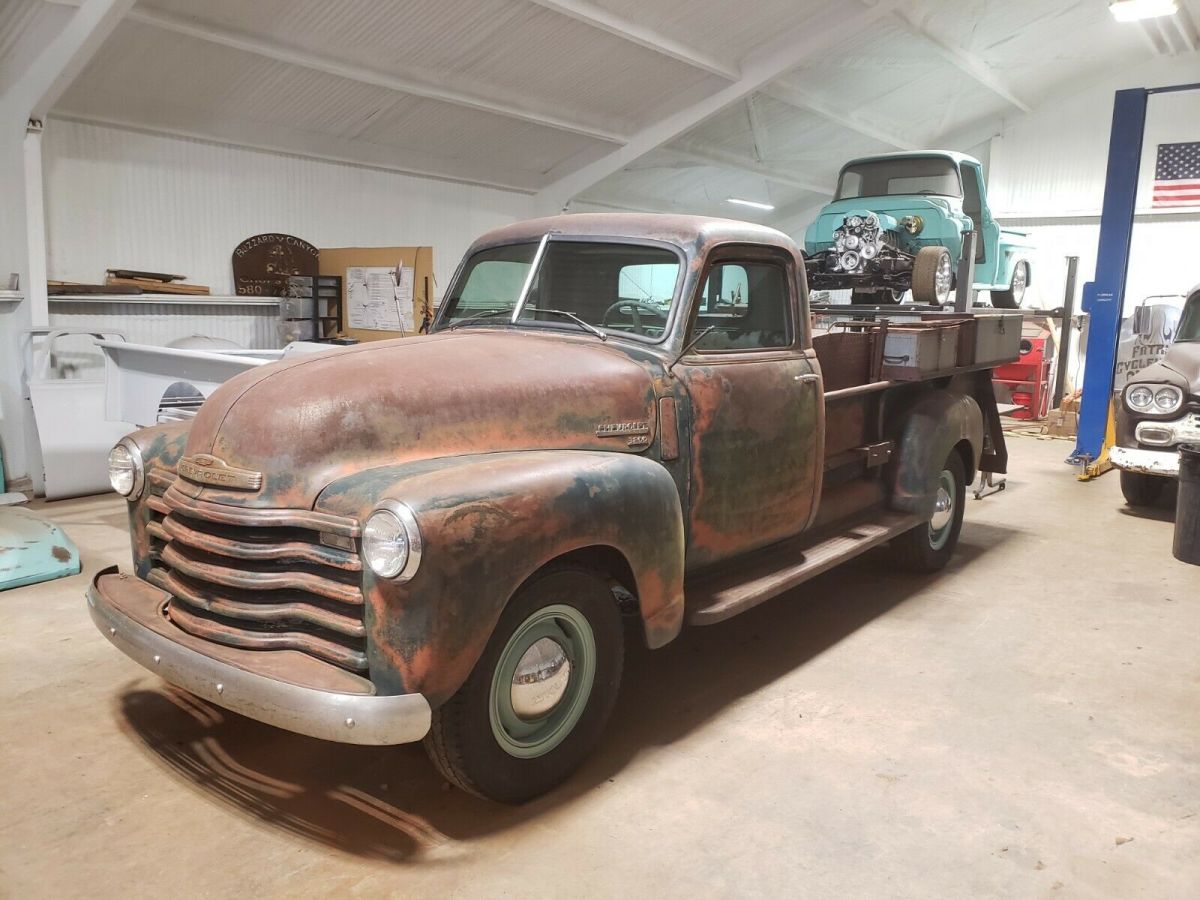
{"type": "Point", "coordinates": [117, 198]}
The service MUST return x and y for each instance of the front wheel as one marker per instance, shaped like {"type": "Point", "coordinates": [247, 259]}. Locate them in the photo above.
{"type": "Point", "coordinates": [1141, 490]}
{"type": "Point", "coordinates": [932, 276]}
{"type": "Point", "coordinates": [929, 546]}
{"type": "Point", "coordinates": [539, 697]}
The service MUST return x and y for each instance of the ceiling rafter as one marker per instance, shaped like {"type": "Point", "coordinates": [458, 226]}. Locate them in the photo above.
{"type": "Point", "coordinates": [965, 61]}
{"type": "Point", "coordinates": [707, 155]}
{"type": "Point", "coordinates": [767, 63]}
{"type": "Point", "coordinates": [758, 129]}
{"type": "Point", "coordinates": [793, 96]}
{"type": "Point", "coordinates": [225, 37]}
{"type": "Point", "coordinates": [598, 17]}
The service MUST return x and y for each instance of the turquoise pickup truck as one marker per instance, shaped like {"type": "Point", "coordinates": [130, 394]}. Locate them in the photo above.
{"type": "Point", "coordinates": [896, 224]}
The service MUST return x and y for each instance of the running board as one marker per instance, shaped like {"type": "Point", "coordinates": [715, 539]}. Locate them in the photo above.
{"type": "Point", "coordinates": [718, 597]}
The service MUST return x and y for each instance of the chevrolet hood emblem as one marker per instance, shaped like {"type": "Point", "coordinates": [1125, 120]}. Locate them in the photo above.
{"type": "Point", "coordinates": [203, 468]}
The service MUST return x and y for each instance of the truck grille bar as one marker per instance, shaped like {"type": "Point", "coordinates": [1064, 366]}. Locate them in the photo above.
{"type": "Point", "coordinates": [258, 578]}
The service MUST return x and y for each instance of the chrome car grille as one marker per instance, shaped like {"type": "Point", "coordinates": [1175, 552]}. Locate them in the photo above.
{"type": "Point", "coordinates": [259, 578]}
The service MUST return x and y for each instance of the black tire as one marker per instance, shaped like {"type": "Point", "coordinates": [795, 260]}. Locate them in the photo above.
{"type": "Point", "coordinates": [1015, 295]}
{"type": "Point", "coordinates": [932, 276]}
{"type": "Point", "coordinates": [1141, 490]}
{"type": "Point", "coordinates": [463, 742]}
{"type": "Point", "coordinates": [924, 548]}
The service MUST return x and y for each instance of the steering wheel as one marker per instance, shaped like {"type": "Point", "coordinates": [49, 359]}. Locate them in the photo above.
{"type": "Point", "coordinates": [634, 307]}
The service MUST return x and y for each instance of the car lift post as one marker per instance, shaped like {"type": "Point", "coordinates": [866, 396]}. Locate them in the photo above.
{"type": "Point", "coordinates": [1104, 298]}
{"type": "Point", "coordinates": [964, 291]}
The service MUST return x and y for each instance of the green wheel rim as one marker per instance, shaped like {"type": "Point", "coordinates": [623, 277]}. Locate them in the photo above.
{"type": "Point", "coordinates": [942, 521]}
{"type": "Point", "coordinates": [530, 737]}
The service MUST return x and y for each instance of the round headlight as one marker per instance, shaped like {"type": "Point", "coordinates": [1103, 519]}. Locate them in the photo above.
{"type": "Point", "coordinates": [125, 471]}
{"type": "Point", "coordinates": [1168, 399]}
{"type": "Point", "coordinates": [391, 541]}
{"type": "Point", "coordinates": [1140, 398]}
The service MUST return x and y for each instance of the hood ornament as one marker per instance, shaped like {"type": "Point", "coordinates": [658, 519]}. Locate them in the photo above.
{"type": "Point", "coordinates": [206, 469]}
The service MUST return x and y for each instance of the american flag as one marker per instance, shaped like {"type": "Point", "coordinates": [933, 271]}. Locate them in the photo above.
{"type": "Point", "coordinates": [1177, 175]}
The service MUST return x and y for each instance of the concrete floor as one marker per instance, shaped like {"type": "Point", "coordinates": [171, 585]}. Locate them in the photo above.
{"type": "Point", "coordinates": [1024, 725]}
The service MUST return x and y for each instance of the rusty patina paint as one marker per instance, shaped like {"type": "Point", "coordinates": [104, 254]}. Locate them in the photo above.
{"type": "Point", "coordinates": [755, 453]}
{"type": "Point", "coordinates": [325, 417]}
{"type": "Point", "coordinates": [408, 419]}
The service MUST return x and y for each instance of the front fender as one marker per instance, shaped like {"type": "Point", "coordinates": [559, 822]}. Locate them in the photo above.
{"type": "Point", "coordinates": [488, 522]}
{"type": "Point", "coordinates": [925, 433]}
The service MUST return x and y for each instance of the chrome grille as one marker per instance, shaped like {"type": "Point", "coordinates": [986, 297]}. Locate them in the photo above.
{"type": "Point", "coordinates": [259, 578]}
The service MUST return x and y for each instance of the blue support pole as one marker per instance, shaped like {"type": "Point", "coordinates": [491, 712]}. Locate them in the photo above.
{"type": "Point", "coordinates": [1104, 298]}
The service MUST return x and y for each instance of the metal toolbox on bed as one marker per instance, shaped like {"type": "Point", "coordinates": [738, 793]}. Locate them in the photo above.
{"type": "Point", "coordinates": [997, 338]}
{"type": "Point", "coordinates": [918, 350]}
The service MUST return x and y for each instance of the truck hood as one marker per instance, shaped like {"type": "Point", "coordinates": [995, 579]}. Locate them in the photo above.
{"type": "Point", "coordinates": [307, 422]}
{"type": "Point", "coordinates": [1183, 359]}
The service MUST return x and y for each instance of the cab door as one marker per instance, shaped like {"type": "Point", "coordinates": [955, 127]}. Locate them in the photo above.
{"type": "Point", "coordinates": [987, 245]}
{"type": "Point", "coordinates": [756, 408]}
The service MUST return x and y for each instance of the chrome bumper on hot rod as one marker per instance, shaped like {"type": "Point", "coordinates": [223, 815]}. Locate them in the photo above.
{"type": "Point", "coordinates": [285, 688]}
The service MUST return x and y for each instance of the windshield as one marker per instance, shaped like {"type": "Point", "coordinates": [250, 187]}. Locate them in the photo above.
{"type": "Point", "coordinates": [620, 288]}
{"type": "Point", "coordinates": [1189, 322]}
{"type": "Point", "coordinates": [903, 175]}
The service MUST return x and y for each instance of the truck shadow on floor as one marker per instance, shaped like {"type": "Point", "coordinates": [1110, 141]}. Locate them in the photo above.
{"type": "Point", "coordinates": [388, 803]}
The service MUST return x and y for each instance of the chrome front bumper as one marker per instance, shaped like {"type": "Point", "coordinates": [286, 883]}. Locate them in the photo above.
{"type": "Point", "coordinates": [316, 699]}
{"type": "Point", "coordinates": [1147, 462]}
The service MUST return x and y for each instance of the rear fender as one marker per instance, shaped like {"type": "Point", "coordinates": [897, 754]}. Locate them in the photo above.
{"type": "Point", "coordinates": [926, 432]}
{"type": "Point", "coordinates": [489, 522]}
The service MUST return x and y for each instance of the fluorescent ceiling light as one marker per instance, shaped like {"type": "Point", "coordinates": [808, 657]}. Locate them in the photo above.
{"type": "Point", "coordinates": [1132, 10]}
{"type": "Point", "coordinates": [754, 203]}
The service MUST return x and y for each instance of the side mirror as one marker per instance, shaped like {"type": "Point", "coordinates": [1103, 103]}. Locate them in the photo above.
{"type": "Point", "coordinates": [1141, 321]}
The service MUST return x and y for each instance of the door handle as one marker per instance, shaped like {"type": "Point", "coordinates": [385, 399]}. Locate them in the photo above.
{"type": "Point", "coordinates": [806, 379]}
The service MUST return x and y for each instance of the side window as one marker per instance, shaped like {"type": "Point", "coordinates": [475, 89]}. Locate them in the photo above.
{"type": "Point", "coordinates": [745, 306]}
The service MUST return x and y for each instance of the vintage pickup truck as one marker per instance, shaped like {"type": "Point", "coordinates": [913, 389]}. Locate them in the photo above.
{"type": "Point", "coordinates": [1159, 409]}
{"type": "Point", "coordinates": [615, 417]}
{"type": "Point", "coordinates": [897, 223]}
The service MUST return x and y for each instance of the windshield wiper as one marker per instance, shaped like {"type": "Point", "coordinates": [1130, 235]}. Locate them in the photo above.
{"type": "Point", "coordinates": [587, 326]}
{"type": "Point", "coordinates": [487, 313]}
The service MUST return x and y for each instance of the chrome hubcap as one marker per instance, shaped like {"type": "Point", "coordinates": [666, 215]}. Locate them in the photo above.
{"type": "Point", "coordinates": [541, 679]}
{"type": "Point", "coordinates": [1020, 278]}
{"type": "Point", "coordinates": [944, 276]}
{"type": "Point", "coordinates": [943, 511]}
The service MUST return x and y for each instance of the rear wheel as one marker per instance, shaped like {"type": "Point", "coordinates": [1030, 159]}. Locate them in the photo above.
{"type": "Point", "coordinates": [1141, 490]}
{"type": "Point", "coordinates": [1015, 295]}
{"type": "Point", "coordinates": [932, 276]}
{"type": "Point", "coordinates": [929, 546]}
{"type": "Point", "coordinates": [539, 697]}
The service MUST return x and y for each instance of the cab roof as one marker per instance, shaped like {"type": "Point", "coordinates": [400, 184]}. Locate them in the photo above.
{"type": "Point", "coordinates": [952, 155]}
{"type": "Point", "coordinates": [692, 234]}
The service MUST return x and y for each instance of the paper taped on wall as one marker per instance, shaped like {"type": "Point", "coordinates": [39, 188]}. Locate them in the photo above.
{"type": "Point", "coordinates": [380, 298]}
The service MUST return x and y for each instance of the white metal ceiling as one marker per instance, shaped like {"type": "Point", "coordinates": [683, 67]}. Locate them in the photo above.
{"type": "Point", "coordinates": [519, 93]}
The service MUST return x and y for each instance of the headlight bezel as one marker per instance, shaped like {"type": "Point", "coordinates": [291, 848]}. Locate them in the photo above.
{"type": "Point", "coordinates": [412, 533]}
{"type": "Point", "coordinates": [1151, 392]}
{"type": "Point", "coordinates": [139, 469]}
